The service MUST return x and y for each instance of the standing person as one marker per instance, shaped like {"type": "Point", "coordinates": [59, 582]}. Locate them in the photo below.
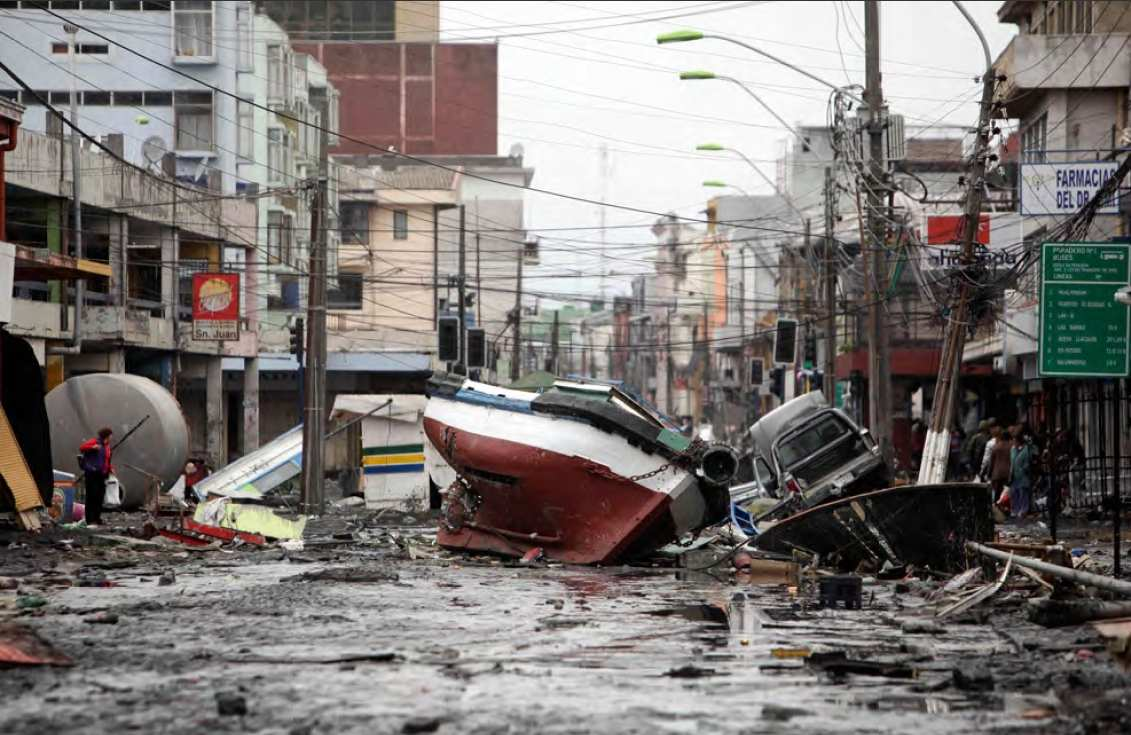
{"type": "Point", "coordinates": [998, 458]}
{"type": "Point", "coordinates": [1020, 473]}
{"type": "Point", "coordinates": [96, 468]}
{"type": "Point", "coordinates": [977, 448]}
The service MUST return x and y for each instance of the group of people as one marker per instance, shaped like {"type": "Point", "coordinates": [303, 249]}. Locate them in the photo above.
{"type": "Point", "coordinates": [1015, 462]}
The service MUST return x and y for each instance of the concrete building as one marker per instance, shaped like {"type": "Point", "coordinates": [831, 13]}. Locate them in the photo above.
{"type": "Point", "coordinates": [435, 98]}
{"type": "Point", "coordinates": [1065, 89]}
{"type": "Point", "coordinates": [136, 226]}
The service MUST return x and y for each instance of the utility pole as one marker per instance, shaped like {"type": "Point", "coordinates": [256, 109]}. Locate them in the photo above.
{"type": "Point", "coordinates": [478, 282]}
{"type": "Point", "coordinates": [937, 445]}
{"type": "Point", "coordinates": [744, 380]}
{"type": "Point", "coordinates": [314, 418]}
{"type": "Point", "coordinates": [461, 364]}
{"type": "Point", "coordinates": [830, 270]}
{"type": "Point", "coordinates": [516, 360]}
{"type": "Point", "coordinates": [76, 186]}
{"type": "Point", "coordinates": [879, 368]}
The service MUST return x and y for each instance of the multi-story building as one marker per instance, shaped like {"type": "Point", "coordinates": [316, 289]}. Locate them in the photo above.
{"type": "Point", "coordinates": [434, 98]}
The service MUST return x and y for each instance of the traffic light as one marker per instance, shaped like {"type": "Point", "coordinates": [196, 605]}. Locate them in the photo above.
{"type": "Point", "coordinates": [298, 337]}
{"type": "Point", "coordinates": [449, 339]}
{"type": "Point", "coordinates": [756, 371]}
{"type": "Point", "coordinates": [785, 342]}
{"type": "Point", "coordinates": [777, 382]}
{"type": "Point", "coordinates": [476, 348]}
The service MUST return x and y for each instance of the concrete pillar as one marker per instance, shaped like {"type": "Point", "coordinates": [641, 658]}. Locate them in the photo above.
{"type": "Point", "coordinates": [215, 445]}
{"type": "Point", "coordinates": [119, 235]}
{"type": "Point", "coordinates": [169, 271]}
{"type": "Point", "coordinates": [116, 360]}
{"type": "Point", "coordinates": [250, 405]}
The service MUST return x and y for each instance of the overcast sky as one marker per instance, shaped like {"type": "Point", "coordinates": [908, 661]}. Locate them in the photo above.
{"type": "Point", "coordinates": [563, 95]}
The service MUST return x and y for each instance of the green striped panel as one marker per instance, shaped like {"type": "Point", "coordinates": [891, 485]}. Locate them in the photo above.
{"type": "Point", "coordinates": [393, 449]}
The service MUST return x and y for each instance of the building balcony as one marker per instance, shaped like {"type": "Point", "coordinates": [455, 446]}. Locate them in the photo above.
{"type": "Point", "coordinates": [1040, 62]}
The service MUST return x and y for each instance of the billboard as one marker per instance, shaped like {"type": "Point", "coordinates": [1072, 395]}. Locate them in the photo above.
{"type": "Point", "coordinates": [216, 306]}
{"type": "Point", "coordinates": [1063, 188]}
{"type": "Point", "coordinates": [999, 234]}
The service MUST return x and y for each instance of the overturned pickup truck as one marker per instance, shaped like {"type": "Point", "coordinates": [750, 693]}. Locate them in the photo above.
{"type": "Point", "coordinates": [805, 454]}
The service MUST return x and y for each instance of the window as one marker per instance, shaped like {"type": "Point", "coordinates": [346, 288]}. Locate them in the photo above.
{"type": "Point", "coordinates": [192, 29]}
{"type": "Point", "coordinates": [244, 40]}
{"type": "Point", "coordinates": [1064, 17]}
{"type": "Point", "coordinates": [355, 222]}
{"type": "Point", "coordinates": [348, 293]}
{"type": "Point", "coordinates": [87, 49]}
{"type": "Point", "coordinates": [335, 20]}
{"type": "Point", "coordinates": [276, 84]}
{"type": "Point", "coordinates": [127, 99]}
{"type": "Point", "coordinates": [245, 114]}
{"type": "Point", "coordinates": [192, 119]}
{"type": "Point", "coordinates": [96, 99]}
{"type": "Point", "coordinates": [280, 237]}
{"type": "Point", "coordinates": [400, 224]}
{"type": "Point", "coordinates": [279, 155]}
{"type": "Point", "coordinates": [158, 99]}
{"type": "Point", "coordinates": [1034, 140]}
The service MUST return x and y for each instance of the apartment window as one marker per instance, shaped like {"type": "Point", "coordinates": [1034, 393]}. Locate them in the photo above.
{"type": "Point", "coordinates": [1065, 17]}
{"type": "Point", "coordinates": [276, 82]}
{"type": "Point", "coordinates": [335, 20]}
{"type": "Point", "coordinates": [244, 39]}
{"type": "Point", "coordinates": [348, 293]}
{"type": "Point", "coordinates": [192, 29]}
{"type": "Point", "coordinates": [192, 119]}
{"type": "Point", "coordinates": [279, 155]}
{"type": "Point", "coordinates": [400, 224]}
{"type": "Point", "coordinates": [84, 49]}
{"type": "Point", "coordinates": [355, 222]}
{"type": "Point", "coordinates": [280, 236]}
{"type": "Point", "coordinates": [157, 99]}
{"type": "Point", "coordinates": [1034, 140]}
{"type": "Point", "coordinates": [96, 99]}
{"type": "Point", "coordinates": [127, 99]}
{"type": "Point", "coordinates": [245, 114]}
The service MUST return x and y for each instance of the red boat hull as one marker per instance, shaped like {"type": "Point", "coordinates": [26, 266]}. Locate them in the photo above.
{"type": "Point", "coordinates": [528, 497]}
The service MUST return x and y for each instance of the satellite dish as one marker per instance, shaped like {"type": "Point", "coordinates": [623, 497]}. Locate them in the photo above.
{"type": "Point", "coordinates": [154, 149]}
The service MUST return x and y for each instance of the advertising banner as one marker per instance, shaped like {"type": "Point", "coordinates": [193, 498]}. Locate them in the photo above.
{"type": "Point", "coordinates": [216, 306]}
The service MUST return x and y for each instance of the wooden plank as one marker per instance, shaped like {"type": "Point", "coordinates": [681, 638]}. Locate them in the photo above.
{"type": "Point", "coordinates": [15, 471]}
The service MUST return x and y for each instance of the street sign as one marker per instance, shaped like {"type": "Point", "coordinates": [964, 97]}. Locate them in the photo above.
{"type": "Point", "coordinates": [1083, 330]}
{"type": "Point", "coordinates": [1064, 188]}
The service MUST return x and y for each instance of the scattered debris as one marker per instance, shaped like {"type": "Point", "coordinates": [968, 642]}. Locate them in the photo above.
{"type": "Point", "coordinates": [229, 704]}
{"type": "Point", "coordinates": [781, 713]}
{"type": "Point", "coordinates": [346, 574]}
{"type": "Point", "coordinates": [247, 518]}
{"type": "Point", "coordinates": [844, 588]}
{"type": "Point", "coordinates": [30, 602]}
{"type": "Point", "coordinates": [1053, 613]}
{"type": "Point", "coordinates": [22, 646]}
{"type": "Point", "coordinates": [690, 671]}
{"type": "Point", "coordinates": [972, 678]}
{"type": "Point", "coordinates": [837, 663]}
{"type": "Point", "coordinates": [167, 578]}
{"type": "Point", "coordinates": [102, 618]}
{"type": "Point", "coordinates": [421, 725]}
{"type": "Point", "coordinates": [979, 596]}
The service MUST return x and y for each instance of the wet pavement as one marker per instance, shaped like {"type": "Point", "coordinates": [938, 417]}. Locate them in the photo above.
{"type": "Point", "coordinates": [361, 637]}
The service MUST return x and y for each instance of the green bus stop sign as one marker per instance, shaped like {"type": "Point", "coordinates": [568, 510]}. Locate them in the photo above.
{"type": "Point", "coordinates": [1083, 330]}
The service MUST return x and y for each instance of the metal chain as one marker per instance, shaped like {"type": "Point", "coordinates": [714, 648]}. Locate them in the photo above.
{"type": "Point", "coordinates": [602, 471]}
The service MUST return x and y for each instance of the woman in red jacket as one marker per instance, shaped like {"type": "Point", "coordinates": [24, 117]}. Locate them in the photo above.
{"type": "Point", "coordinates": [96, 468]}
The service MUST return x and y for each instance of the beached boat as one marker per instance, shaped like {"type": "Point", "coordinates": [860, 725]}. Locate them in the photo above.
{"type": "Point", "coordinates": [582, 471]}
{"type": "Point", "coordinates": [921, 525]}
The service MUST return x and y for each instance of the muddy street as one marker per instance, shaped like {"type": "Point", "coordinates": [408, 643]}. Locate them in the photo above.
{"type": "Point", "coordinates": [385, 633]}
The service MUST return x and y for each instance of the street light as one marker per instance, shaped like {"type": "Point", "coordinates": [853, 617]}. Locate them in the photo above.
{"type": "Point", "coordinates": [757, 168]}
{"type": "Point", "coordinates": [716, 184]}
{"type": "Point", "coordinates": [700, 74]}
{"type": "Point", "coordinates": [686, 35]}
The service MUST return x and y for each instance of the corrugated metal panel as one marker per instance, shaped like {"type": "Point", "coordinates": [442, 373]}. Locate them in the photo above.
{"type": "Point", "coordinates": [14, 469]}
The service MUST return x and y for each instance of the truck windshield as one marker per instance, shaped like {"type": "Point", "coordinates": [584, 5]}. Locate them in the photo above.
{"type": "Point", "coordinates": [811, 440]}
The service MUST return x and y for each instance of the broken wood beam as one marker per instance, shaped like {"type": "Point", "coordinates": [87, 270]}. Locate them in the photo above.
{"type": "Point", "coordinates": [1086, 578]}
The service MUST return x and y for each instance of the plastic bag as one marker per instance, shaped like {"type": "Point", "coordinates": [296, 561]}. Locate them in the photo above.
{"type": "Point", "coordinates": [113, 498]}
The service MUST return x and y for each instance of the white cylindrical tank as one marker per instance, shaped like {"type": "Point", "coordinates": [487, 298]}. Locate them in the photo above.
{"type": "Point", "coordinates": [158, 449]}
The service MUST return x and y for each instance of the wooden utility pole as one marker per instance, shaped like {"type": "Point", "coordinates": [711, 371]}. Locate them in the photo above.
{"type": "Point", "coordinates": [937, 445]}
{"type": "Point", "coordinates": [879, 367]}
{"type": "Point", "coordinates": [830, 272]}
{"type": "Point", "coordinates": [314, 414]}
{"type": "Point", "coordinates": [516, 359]}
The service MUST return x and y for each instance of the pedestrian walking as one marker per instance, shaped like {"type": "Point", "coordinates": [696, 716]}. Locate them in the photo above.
{"type": "Point", "coordinates": [977, 449]}
{"type": "Point", "coordinates": [1020, 473]}
{"type": "Point", "coordinates": [96, 467]}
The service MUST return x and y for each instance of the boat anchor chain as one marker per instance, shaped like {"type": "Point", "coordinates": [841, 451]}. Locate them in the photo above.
{"type": "Point", "coordinates": [602, 471]}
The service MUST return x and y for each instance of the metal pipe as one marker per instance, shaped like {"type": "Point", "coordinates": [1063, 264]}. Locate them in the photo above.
{"type": "Point", "coordinates": [1086, 578]}
{"type": "Point", "coordinates": [783, 62]}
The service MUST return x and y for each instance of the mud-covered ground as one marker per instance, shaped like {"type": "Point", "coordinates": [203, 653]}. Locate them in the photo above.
{"type": "Point", "coordinates": [383, 633]}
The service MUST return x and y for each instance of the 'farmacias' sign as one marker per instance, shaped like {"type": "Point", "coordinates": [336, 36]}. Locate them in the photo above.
{"type": "Point", "coordinates": [1064, 188]}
